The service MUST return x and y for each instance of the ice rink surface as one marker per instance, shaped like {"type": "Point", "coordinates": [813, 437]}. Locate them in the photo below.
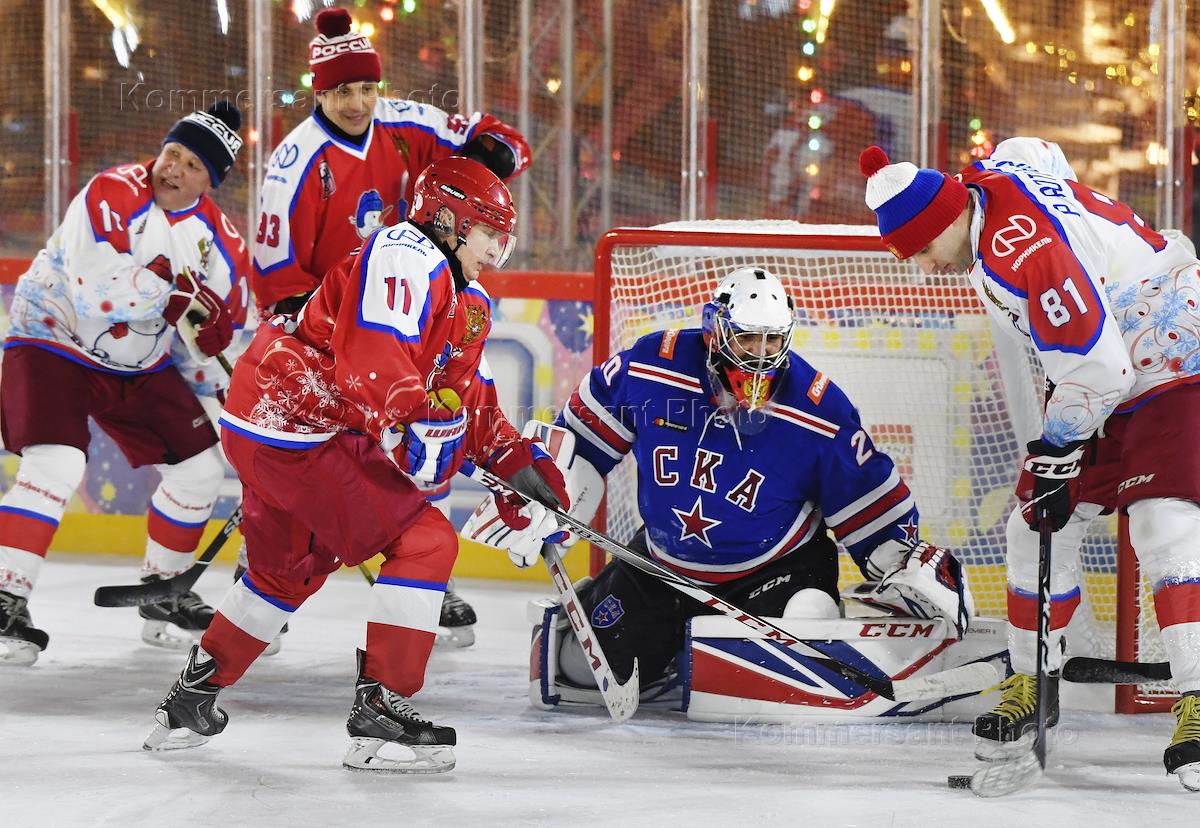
{"type": "Point", "coordinates": [71, 729]}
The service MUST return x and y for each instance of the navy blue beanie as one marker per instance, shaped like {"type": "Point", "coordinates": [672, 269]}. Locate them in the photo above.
{"type": "Point", "coordinates": [213, 136]}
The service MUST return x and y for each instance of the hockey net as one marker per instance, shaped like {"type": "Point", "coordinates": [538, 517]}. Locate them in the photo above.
{"type": "Point", "coordinates": [952, 405]}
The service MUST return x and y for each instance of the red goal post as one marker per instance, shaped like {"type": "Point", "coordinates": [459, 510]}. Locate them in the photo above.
{"type": "Point", "coordinates": [952, 404]}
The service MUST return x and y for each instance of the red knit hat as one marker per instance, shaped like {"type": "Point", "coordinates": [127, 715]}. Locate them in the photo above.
{"type": "Point", "coordinates": [913, 205]}
{"type": "Point", "coordinates": [337, 55]}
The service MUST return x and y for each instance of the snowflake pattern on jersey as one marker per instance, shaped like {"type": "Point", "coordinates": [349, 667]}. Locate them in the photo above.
{"type": "Point", "coordinates": [1159, 320]}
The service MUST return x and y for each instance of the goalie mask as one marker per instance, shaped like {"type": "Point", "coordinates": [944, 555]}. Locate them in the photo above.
{"type": "Point", "coordinates": [748, 330]}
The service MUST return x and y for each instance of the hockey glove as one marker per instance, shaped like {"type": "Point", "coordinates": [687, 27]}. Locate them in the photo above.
{"type": "Point", "coordinates": [523, 545]}
{"type": "Point", "coordinates": [530, 469]}
{"type": "Point", "coordinates": [429, 447]}
{"type": "Point", "coordinates": [1050, 482]}
{"type": "Point", "coordinates": [929, 583]}
{"type": "Point", "coordinates": [194, 302]}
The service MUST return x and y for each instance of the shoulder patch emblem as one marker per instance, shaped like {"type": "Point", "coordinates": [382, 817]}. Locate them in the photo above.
{"type": "Point", "coordinates": [817, 389]}
{"type": "Point", "coordinates": [667, 349]}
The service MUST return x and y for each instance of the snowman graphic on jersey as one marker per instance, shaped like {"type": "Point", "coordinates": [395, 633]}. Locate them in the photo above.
{"type": "Point", "coordinates": [369, 216]}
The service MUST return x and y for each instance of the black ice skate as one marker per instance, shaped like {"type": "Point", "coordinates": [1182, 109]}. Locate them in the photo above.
{"type": "Point", "coordinates": [1182, 756]}
{"type": "Point", "coordinates": [175, 623]}
{"type": "Point", "coordinates": [1008, 729]}
{"type": "Point", "coordinates": [381, 719]}
{"type": "Point", "coordinates": [456, 627]}
{"type": "Point", "coordinates": [20, 641]}
{"type": "Point", "coordinates": [189, 715]}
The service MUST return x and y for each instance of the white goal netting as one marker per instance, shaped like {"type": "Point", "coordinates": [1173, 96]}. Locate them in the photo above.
{"type": "Point", "coordinates": [949, 402]}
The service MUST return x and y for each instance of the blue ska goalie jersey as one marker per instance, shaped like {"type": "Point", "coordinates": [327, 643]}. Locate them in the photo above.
{"type": "Point", "coordinates": [717, 504]}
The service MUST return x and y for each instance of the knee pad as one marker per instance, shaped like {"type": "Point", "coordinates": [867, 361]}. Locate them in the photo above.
{"type": "Point", "coordinates": [1165, 534]}
{"type": "Point", "coordinates": [1022, 555]}
{"type": "Point", "coordinates": [811, 603]}
{"type": "Point", "coordinates": [192, 483]}
{"type": "Point", "coordinates": [48, 476]}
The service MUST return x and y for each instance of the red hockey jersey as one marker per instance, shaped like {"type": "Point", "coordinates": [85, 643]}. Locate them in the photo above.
{"type": "Point", "coordinates": [322, 196]}
{"type": "Point", "coordinates": [386, 326]}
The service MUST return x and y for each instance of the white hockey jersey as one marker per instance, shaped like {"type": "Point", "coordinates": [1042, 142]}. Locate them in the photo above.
{"type": "Point", "coordinates": [1112, 306]}
{"type": "Point", "coordinates": [88, 294]}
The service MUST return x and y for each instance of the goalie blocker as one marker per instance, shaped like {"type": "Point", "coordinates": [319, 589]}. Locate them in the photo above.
{"type": "Point", "coordinates": [724, 675]}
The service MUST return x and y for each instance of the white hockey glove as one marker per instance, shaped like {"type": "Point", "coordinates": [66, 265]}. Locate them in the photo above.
{"type": "Point", "coordinates": [492, 521]}
{"type": "Point", "coordinates": [928, 583]}
{"type": "Point", "coordinates": [524, 546]}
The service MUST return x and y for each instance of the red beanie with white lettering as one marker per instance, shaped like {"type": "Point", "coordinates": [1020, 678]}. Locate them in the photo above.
{"type": "Point", "coordinates": [337, 55]}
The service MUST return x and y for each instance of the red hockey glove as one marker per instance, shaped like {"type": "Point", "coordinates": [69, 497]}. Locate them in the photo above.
{"type": "Point", "coordinates": [531, 471]}
{"type": "Point", "coordinates": [201, 306]}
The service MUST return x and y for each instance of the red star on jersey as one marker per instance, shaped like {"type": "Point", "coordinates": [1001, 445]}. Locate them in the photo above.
{"type": "Point", "coordinates": [695, 524]}
{"type": "Point", "coordinates": [910, 531]}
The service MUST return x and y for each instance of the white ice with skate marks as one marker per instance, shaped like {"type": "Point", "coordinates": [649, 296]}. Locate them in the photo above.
{"type": "Point", "coordinates": [71, 730]}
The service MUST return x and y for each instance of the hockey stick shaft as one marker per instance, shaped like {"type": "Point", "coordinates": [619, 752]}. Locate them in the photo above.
{"type": "Point", "coordinates": [620, 699]}
{"type": "Point", "coordinates": [1085, 670]}
{"type": "Point", "coordinates": [1045, 535]}
{"type": "Point", "coordinates": [137, 594]}
{"type": "Point", "coordinates": [974, 677]}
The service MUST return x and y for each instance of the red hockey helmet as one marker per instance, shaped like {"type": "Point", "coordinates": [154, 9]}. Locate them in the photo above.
{"type": "Point", "coordinates": [473, 195]}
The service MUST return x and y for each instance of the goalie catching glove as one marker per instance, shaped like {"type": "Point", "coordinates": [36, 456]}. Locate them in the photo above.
{"type": "Point", "coordinates": [928, 583]}
{"type": "Point", "coordinates": [429, 447]}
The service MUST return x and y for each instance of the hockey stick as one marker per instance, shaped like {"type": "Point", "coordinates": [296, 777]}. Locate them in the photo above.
{"type": "Point", "coordinates": [1085, 670]}
{"type": "Point", "coordinates": [1018, 773]}
{"type": "Point", "coordinates": [620, 699]}
{"type": "Point", "coordinates": [135, 595]}
{"type": "Point", "coordinates": [969, 678]}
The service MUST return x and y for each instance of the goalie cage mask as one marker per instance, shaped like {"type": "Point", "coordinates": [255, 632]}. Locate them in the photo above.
{"type": "Point", "coordinates": [748, 330]}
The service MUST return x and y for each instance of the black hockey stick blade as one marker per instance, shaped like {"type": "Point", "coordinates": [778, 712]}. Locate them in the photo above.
{"type": "Point", "coordinates": [135, 595]}
{"type": "Point", "coordinates": [1084, 670]}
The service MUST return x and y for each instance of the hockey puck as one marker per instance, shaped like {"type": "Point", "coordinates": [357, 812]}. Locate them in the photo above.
{"type": "Point", "coordinates": [958, 781]}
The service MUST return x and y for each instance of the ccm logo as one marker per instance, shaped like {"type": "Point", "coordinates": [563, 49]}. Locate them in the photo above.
{"type": "Point", "coordinates": [896, 630]}
{"type": "Point", "coordinates": [1020, 228]}
{"type": "Point", "coordinates": [1135, 481]}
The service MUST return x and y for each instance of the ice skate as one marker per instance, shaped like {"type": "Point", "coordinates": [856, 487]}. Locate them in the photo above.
{"type": "Point", "coordinates": [1008, 729]}
{"type": "Point", "coordinates": [456, 626]}
{"type": "Point", "coordinates": [20, 641]}
{"type": "Point", "coordinates": [388, 734]}
{"type": "Point", "coordinates": [189, 715]}
{"type": "Point", "coordinates": [1182, 756]}
{"type": "Point", "coordinates": [175, 623]}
